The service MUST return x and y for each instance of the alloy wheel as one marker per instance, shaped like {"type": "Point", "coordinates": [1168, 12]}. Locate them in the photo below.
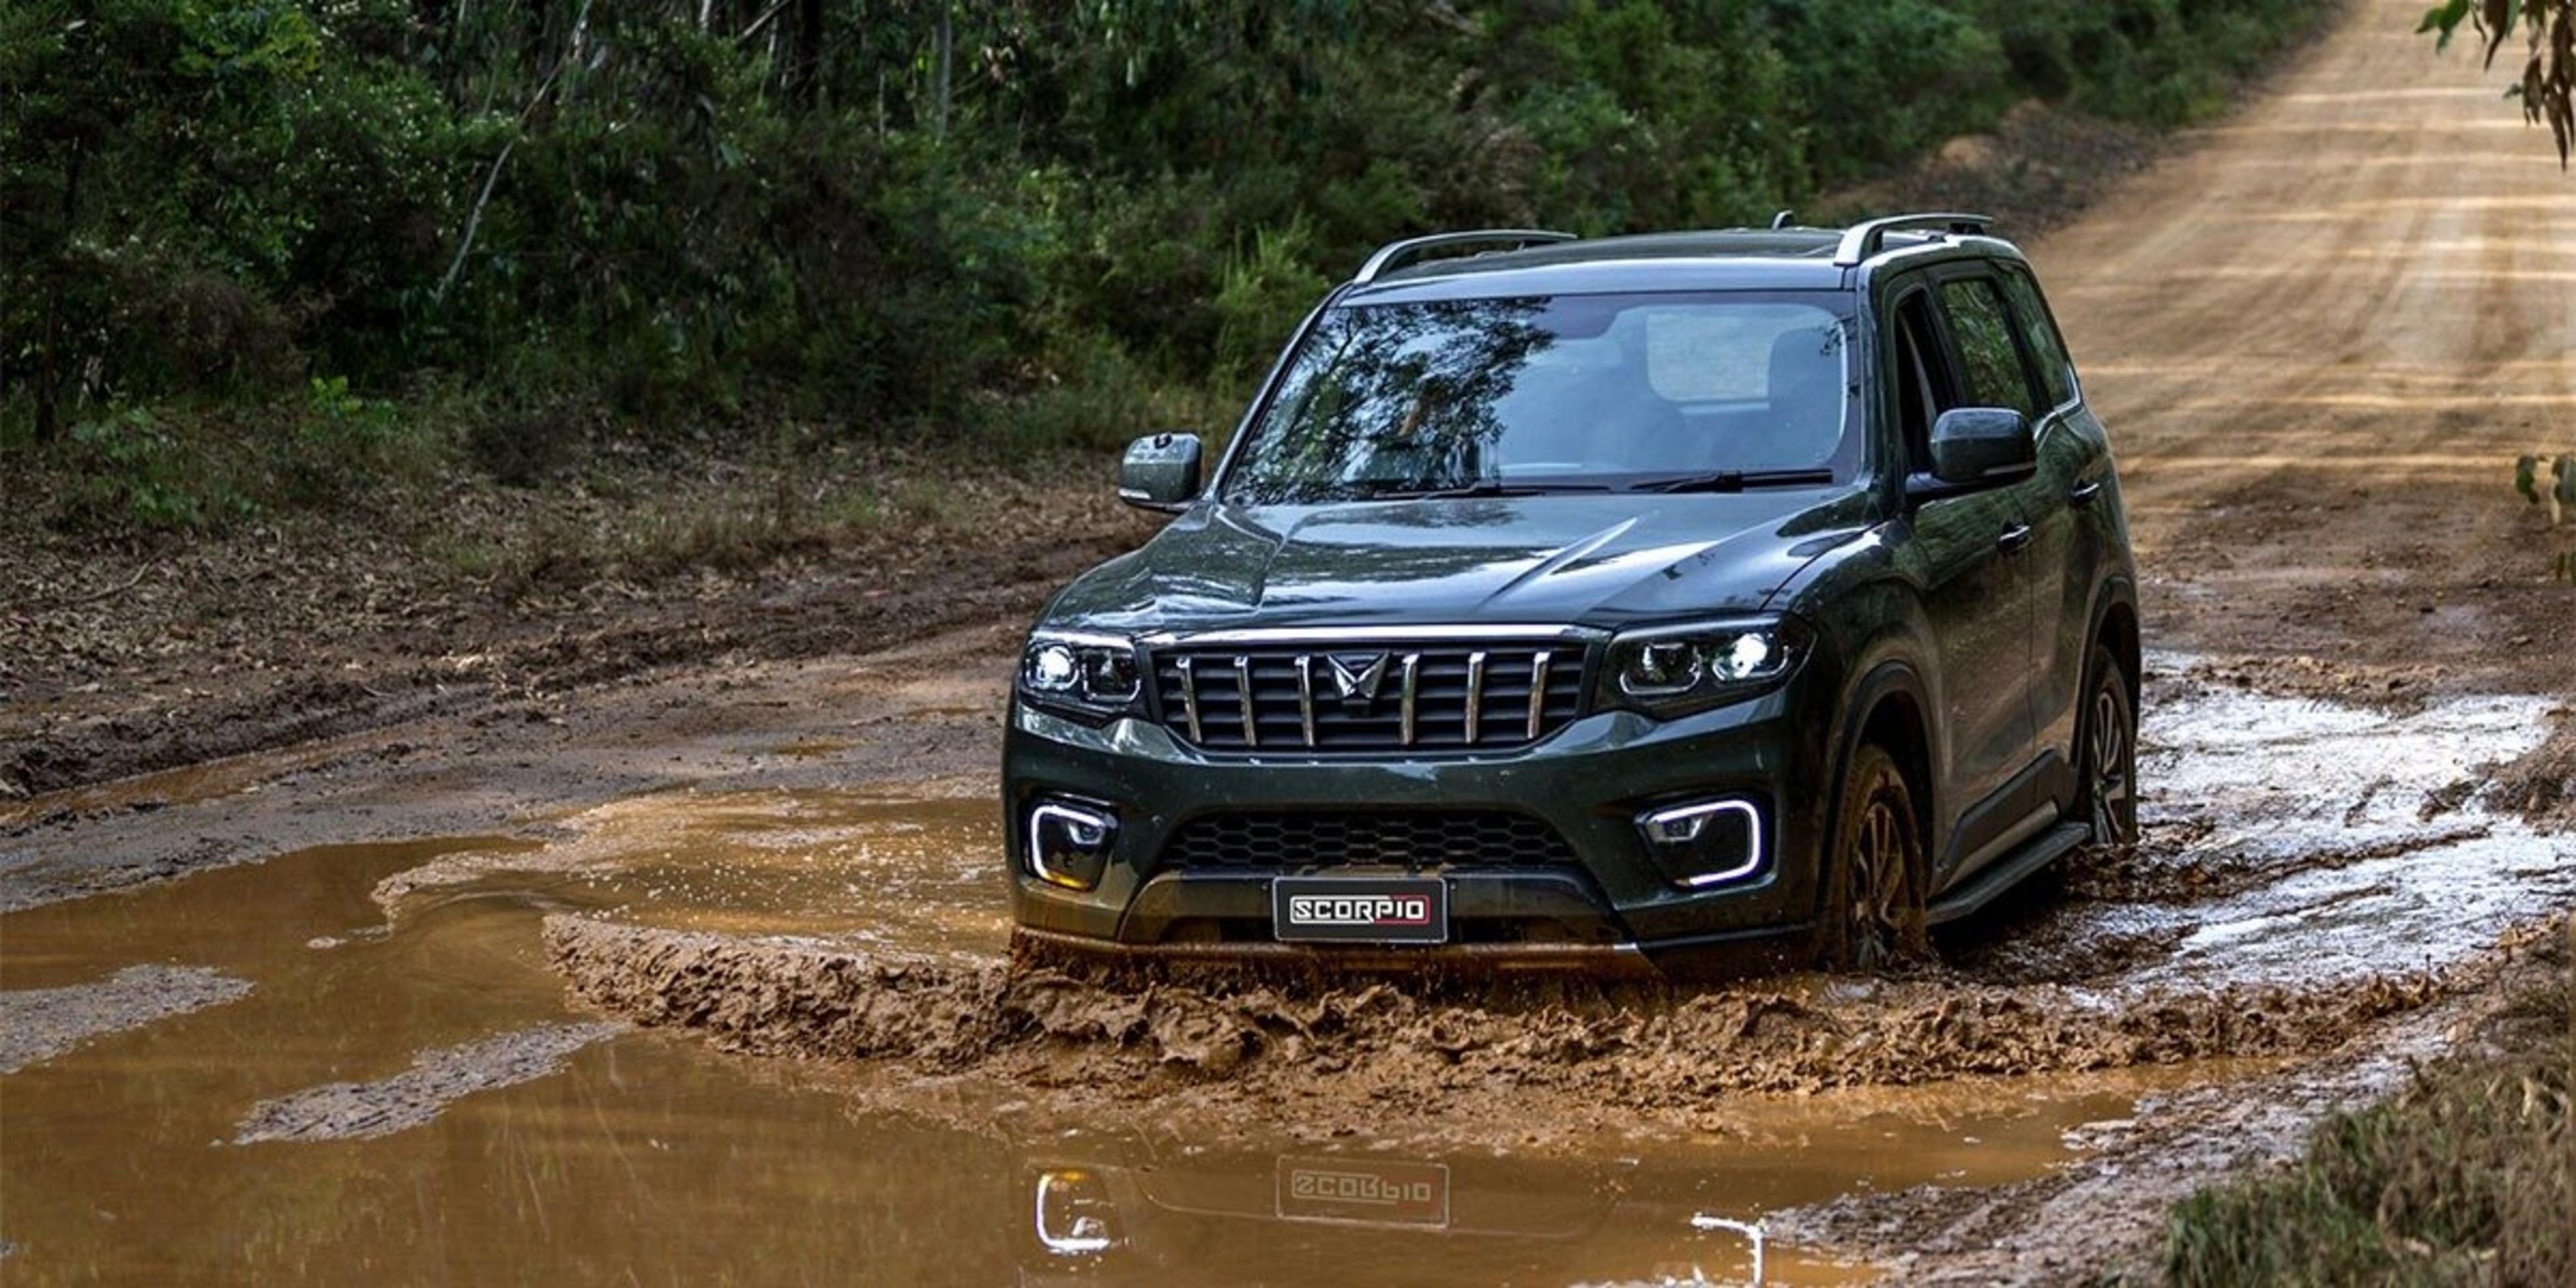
{"type": "Point", "coordinates": [1882, 908]}
{"type": "Point", "coordinates": [2110, 756]}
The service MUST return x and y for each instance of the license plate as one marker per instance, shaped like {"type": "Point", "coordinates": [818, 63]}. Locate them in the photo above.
{"type": "Point", "coordinates": [1364, 1191]}
{"type": "Point", "coordinates": [1365, 910]}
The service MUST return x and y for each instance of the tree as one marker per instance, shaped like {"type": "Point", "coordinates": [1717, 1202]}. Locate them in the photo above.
{"type": "Point", "coordinates": [2548, 87]}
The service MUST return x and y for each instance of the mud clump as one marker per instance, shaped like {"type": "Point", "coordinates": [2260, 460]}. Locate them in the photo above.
{"type": "Point", "coordinates": [37, 1024]}
{"type": "Point", "coordinates": [1632, 1046]}
{"type": "Point", "coordinates": [779, 998]}
{"type": "Point", "coordinates": [364, 1110]}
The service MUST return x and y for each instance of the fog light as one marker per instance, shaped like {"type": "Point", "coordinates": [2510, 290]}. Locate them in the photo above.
{"type": "Point", "coordinates": [1074, 1215]}
{"type": "Point", "coordinates": [1069, 843]}
{"type": "Point", "coordinates": [1705, 843]}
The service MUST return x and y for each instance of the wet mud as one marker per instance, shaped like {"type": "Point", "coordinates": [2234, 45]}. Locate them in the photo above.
{"type": "Point", "coordinates": [2288, 893]}
{"type": "Point", "coordinates": [40, 1023]}
{"type": "Point", "coordinates": [600, 1004]}
{"type": "Point", "coordinates": [436, 1079]}
{"type": "Point", "coordinates": [402, 1091]}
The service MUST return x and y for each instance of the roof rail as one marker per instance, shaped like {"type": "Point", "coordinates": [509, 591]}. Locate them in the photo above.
{"type": "Point", "coordinates": [1861, 241]}
{"type": "Point", "coordinates": [1395, 255]}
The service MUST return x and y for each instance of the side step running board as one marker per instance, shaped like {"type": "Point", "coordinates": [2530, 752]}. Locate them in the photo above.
{"type": "Point", "coordinates": [2005, 873]}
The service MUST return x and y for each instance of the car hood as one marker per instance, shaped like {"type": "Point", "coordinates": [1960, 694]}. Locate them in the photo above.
{"type": "Point", "coordinates": [1571, 558]}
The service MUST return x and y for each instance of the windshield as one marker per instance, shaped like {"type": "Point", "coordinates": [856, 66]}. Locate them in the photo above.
{"type": "Point", "coordinates": [1573, 393]}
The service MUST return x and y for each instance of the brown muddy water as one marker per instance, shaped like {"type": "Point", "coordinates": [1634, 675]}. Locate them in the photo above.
{"type": "Point", "coordinates": [411, 1099]}
{"type": "Point", "coordinates": [356, 1063]}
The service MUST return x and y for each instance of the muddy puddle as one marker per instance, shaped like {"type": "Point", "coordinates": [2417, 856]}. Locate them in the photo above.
{"type": "Point", "coordinates": [477, 1059]}
{"type": "Point", "coordinates": [410, 1098]}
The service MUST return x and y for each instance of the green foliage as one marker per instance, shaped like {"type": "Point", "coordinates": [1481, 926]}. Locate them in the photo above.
{"type": "Point", "coordinates": [139, 477]}
{"type": "Point", "coordinates": [1265, 293]}
{"type": "Point", "coordinates": [2466, 1177]}
{"type": "Point", "coordinates": [922, 220]}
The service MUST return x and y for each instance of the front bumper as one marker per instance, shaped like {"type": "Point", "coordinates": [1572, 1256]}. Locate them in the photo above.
{"type": "Point", "coordinates": [1589, 781]}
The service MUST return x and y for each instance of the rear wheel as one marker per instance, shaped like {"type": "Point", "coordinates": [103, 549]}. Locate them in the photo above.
{"type": "Point", "coordinates": [1874, 915]}
{"type": "Point", "coordinates": [2107, 743]}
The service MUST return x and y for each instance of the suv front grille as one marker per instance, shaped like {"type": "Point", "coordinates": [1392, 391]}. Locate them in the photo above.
{"type": "Point", "coordinates": [1428, 838]}
{"type": "Point", "coordinates": [1417, 696]}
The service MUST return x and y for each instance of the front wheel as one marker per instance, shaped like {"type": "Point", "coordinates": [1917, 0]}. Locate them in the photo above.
{"type": "Point", "coordinates": [1874, 915]}
{"type": "Point", "coordinates": [2108, 746]}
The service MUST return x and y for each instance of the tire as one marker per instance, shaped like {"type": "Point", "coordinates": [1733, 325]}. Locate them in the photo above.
{"type": "Point", "coordinates": [2106, 749]}
{"type": "Point", "coordinates": [1875, 890]}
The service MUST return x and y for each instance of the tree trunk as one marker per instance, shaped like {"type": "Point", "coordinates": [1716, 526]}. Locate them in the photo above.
{"type": "Point", "coordinates": [947, 46]}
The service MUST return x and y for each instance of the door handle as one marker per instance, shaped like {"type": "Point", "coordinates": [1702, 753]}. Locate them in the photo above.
{"type": "Point", "coordinates": [2084, 492]}
{"type": "Point", "coordinates": [2013, 539]}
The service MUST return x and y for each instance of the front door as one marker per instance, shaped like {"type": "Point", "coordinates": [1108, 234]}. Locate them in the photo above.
{"type": "Point", "coordinates": [1974, 591]}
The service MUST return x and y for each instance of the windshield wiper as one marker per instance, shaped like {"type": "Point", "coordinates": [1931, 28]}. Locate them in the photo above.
{"type": "Point", "coordinates": [1485, 487]}
{"type": "Point", "coordinates": [1737, 480]}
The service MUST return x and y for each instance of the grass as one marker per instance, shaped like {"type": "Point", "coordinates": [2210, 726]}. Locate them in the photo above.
{"type": "Point", "coordinates": [2468, 1176]}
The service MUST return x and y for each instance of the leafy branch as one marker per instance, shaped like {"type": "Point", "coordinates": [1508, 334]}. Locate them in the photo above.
{"type": "Point", "coordinates": [2547, 90]}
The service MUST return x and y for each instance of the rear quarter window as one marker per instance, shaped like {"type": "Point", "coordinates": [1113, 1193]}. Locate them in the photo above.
{"type": "Point", "coordinates": [2047, 348]}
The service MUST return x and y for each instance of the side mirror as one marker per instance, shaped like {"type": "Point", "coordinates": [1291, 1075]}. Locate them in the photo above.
{"type": "Point", "coordinates": [1972, 446]}
{"type": "Point", "coordinates": [1161, 472]}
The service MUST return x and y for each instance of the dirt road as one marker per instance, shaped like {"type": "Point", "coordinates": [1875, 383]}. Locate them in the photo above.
{"type": "Point", "coordinates": [2319, 331]}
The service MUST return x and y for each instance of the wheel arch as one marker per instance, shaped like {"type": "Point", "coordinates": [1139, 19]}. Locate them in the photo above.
{"type": "Point", "coordinates": [2115, 627]}
{"type": "Point", "coordinates": [1891, 708]}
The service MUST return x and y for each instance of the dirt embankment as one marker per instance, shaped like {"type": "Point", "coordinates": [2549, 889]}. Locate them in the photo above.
{"type": "Point", "coordinates": [124, 660]}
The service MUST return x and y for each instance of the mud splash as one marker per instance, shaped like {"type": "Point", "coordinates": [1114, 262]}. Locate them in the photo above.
{"type": "Point", "coordinates": [1335, 1055]}
{"type": "Point", "coordinates": [2290, 892]}
{"type": "Point", "coordinates": [406, 1049]}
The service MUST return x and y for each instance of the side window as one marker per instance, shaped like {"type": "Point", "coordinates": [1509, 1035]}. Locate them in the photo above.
{"type": "Point", "coordinates": [1983, 331]}
{"type": "Point", "coordinates": [2039, 335]}
{"type": "Point", "coordinates": [1916, 380]}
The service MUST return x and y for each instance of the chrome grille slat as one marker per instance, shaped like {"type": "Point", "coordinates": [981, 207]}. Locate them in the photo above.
{"type": "Point", "coordinates": [1477, 692]}
{"type": "Point", "coordinates": [1243, 700]}
{"type": "Point", "coordinates": [1475, 695]}
{"type": "Point", "coordinates": [1190, 696]}
{"type": "Point", "coordinates": [1538, 695]}
{"type": "Point", "coordinates": [1412, 693]}
{"type": "Point", "coordinates": [1306, 695]}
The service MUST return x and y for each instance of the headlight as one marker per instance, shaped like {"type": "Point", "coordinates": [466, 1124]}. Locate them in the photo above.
{"type": "Point", "coordinates": [1667, 671]}
{"type": "Point", "coordinates": [1081, 675]}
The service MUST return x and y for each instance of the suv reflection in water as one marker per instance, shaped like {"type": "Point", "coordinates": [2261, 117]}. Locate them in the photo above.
{"type": "Point", "coordinates": [1363, 1218]}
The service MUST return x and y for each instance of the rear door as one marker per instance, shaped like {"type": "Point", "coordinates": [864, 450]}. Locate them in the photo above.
{"type": "Point", "coordinates": [2064, 556]}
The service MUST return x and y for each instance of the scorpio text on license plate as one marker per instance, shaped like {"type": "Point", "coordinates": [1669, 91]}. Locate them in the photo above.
{"type": "Point", "coordinates": [1372, 910]}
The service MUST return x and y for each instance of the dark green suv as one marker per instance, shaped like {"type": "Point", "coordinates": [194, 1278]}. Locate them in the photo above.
{"type": "Point", "coordinates": [1586, 601]}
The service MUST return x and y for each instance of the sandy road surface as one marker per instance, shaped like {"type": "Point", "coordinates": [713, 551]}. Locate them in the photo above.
{"type": "Point", "coordinates": [2320, 332]}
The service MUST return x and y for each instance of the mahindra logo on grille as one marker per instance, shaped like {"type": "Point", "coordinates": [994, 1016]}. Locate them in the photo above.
{"type": "Point", "coordinates": [1360, 910]}
{"type": "Point", "coordinates": [1357, 676]}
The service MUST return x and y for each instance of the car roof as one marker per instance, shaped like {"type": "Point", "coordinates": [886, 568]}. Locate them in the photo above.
{"type": "Point", "coordinates": [1781, 259]}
